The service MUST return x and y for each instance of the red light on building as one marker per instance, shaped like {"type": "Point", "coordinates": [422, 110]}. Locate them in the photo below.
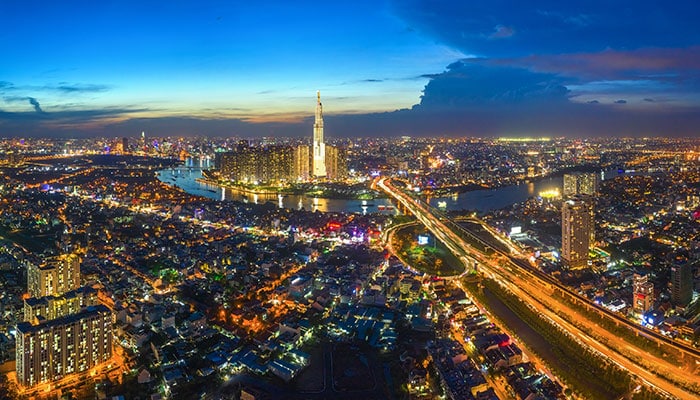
{"type": "Point", "coordinates": [334, 225]}
{"type": "Point", "coordinates": [505, 343]}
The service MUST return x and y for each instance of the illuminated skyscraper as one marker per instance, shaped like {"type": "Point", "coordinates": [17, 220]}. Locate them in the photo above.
{"type": "Point", "coordinates": [643, 294]}
{"type": "Point", "coordinates": [336, 163]}
{"type": "Point", "coordinates": [64, 330]}
{"type": "Point", "coordinates": [55, 277]}
{"type": "Point", "coordinates": [570, 185]}
{"type": "Point", "coordinates": [265, 164]}
{"type": "Point", "coordinates": [301, 162]}
{"type": "Point", "coordinates": [681, 279]}
{"type": "Point", "coordinates": [51, 350]}
{"type": "Point", "coordinates": [576, 226]}
{"type": "Point", "coordinates": [318, 162]}
{"type": "Point", "coordinates": [52, 307]}
{"type": "Point", "coordinates": [580, 183]}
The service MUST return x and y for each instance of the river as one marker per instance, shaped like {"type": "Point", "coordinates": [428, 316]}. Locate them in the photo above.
{"type": "Point", "coordinates": [492, 199]}
{"type": "Point", "coordinates": [482, 201]}
{"type": "Point", "coordinates": [186, 177]}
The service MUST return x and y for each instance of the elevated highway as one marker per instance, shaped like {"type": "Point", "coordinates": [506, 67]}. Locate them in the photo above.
{"type": "Point", "coordinates": [545, 295]}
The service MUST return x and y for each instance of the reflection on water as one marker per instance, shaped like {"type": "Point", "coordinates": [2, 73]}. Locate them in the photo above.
{"type": "Point", "coordinates": [185, 177]}
{"type": "Point", "coordinates": [480, 200]}
{"type": "Point", "coordinates": [301, 201]}
{"type": "Point", "coordinates": [493, 199]}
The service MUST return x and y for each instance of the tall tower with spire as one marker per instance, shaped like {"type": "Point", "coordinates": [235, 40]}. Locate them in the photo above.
{"type": "Point", "coordinates": [318, 165]}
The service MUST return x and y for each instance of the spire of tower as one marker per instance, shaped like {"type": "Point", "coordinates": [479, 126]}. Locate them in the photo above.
{"type": "Point", "coordinates": [318, 147]}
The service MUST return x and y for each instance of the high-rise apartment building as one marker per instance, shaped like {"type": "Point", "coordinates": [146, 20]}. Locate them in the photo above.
{"type": "Point", "coordinates": [681, 280]}
{"type": "Point", "coordinates": [64, 331]}
{"type": "Point", "coordinates": [56, 348]}
{"type": "Point", "coordinates": [52, 307]}
{"type": "Point", "coordinates": [578, 183]}
{"type": "Point", "coordinates": [336, 163]}
{"type": "Point", "coordinates": [269, 163]}
{"type": "Point", "coordinates": [576, 227]}
{"type": "Point", "coordinates": [265, 164]}
{"type": "Point", "coordinates": [57, 275]}
{"type": "Point", "coordinates": [302, 167]}
{"type": "Point", "coordinates": [642, 294]}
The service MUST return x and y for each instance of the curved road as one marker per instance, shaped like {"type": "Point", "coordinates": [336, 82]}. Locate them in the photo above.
{"type": "Point", "coordinates": [537, 292]}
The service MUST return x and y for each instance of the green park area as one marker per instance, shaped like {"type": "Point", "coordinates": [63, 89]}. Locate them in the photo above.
{"type": "Point", "coordinates": [432, 258]}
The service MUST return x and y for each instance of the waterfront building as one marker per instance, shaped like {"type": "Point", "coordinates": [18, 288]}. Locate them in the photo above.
{"type": "Point", "coordinates": [302, 166]}
{"type": "Point", "coordinates": [318, 147]}
{"type": "Point", "coordinates": [273, 164]}
{"type": "Point", "coordinates": [580, 183]}
{"type": "Point", "coordinates": [336, 163]}
{"type": "Point", "coordinates": [264, 164]}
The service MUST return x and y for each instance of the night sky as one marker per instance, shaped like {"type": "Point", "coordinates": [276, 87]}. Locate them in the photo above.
{"type": "Point", "coordinates": [384, 68]}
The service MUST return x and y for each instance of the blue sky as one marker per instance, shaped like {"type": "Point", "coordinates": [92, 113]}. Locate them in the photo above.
{"type": "Point", "coordinates": [416, 67]}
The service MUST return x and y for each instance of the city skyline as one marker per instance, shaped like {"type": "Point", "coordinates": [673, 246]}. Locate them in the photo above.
{"type": "Point", "coordinates": [387, 68]}
{"type": "Point", "coordinates": [470, 268]}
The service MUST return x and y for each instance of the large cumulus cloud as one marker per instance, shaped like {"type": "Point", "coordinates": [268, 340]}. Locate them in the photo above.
{"type": "Point", "coordinates": [562, 68]}
{"type": "Point", "coordinates": [508, 28]}
{"type": "Point", "coordinates": [474, 84]}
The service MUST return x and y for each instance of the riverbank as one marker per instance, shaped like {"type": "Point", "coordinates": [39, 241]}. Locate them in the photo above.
{"type": "Point", "coordinates": [352, 200]}
{"type": "Point", "coordinates": [321, 191]}
{"type": "Point", "coordinates": [243, 189]}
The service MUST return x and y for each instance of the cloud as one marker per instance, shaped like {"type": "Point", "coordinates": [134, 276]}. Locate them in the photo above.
{"type": "Point", "coordinates": [368, 80]}
{"type": "Point", "coordinates": [474, 97]}
{"type": "Point", "coordinates": [61, 87]}
{"type": "Point", "coordinates": [19, 99]}
{"type": "Point", "coordinates": [475, 84]}
{"type": "Point", "coordinates": [35, 103]}
{"type": "Point", "coordinates": [672, 74]}
{"type": "Point", "coordinates": [609, 64]}
{"type": "Point", "coordinates": [471, 97]}
{"type": "Point", "coordinates": [63, 121]}
{"type": "Point", "coordinates": [648, 100]}
{"type": "Point", "coordinates": [578, 53]}
{"type": "Point", "coordinates": [501, 32]}
{"type": "Point", "coordinates": [129, 122]}
{"type": "Point", "coordinates": [576, 20]}
{"type": "Point", "coordinates": [78, 88]}
{"type": "Point", "coordinates": [553, 26]}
